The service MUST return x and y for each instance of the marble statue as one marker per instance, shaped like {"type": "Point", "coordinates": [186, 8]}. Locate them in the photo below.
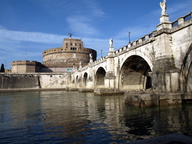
{"type": "Point", "coordinates": [163, 7]}
{"type": "Point", "coordinates": [111, 42]}
{"type": "Point", "coordinates": [91, 57]}
{"type": "Point", "coordinates": [80, 64]}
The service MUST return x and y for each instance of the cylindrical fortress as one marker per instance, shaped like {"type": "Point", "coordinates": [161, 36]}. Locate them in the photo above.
{"type": "Point", "coordinates": [71, 55]}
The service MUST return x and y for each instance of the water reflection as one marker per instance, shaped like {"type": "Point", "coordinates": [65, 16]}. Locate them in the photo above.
{"type": "Point", "coordinates": [71, 117]}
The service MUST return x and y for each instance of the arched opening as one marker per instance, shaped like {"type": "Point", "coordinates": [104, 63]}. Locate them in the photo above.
{"type": "Point", "coordinates": [134, 74]}
{"type": "Point", "coordinates": [186, 71]}
{"type": "Point", "coordinates": [77, 79]}
{"type": "Point", "coordinates": [85, 78]}
{"type": "Point", "coordinates": [100, 76]}
{"type": "Point", "coordinates": [189, 79]}
{"type": "Point", "coordinates": [149, 82]}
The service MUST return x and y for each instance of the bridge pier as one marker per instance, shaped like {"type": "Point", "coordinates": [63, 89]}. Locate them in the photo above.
{"type": "Point", "coordinates": [154, 99]}
{"type": "Point", "coordinates": [110, 80]}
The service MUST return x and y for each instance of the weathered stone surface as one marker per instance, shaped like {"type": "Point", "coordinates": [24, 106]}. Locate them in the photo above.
{"type": "Point", "coordinates": [141, 100]}
{"type": "Point", "coordinates": [104, 91]}
{"type": "Point", "coordinates": [85, 90]}
{"type": "Point", "coordinates": [17, 81]}
{"type": "Point", "coordinates": [33, 81]}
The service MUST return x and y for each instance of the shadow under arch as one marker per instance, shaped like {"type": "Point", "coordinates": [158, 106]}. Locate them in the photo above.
{"type": "Point", "coordinates": [85, 77]}
{"type": "Point", "coordinates": [100, 77]}
{"type": "Point", "coordinates": [134, 74]}
{"type": "Point", "coordinates": [77, 79]}
{"type": "Point", "coordinates": [186, 72]}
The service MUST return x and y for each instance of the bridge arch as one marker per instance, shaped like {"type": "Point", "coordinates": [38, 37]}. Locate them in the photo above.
{"type": "Point", "coordinates": [186, 71]}
{"type": "Point", "coordinates": [147, 57]}
{"type": "Point", "coordinates": [100, 76]}
{"type": "Point", "coordinates": [134, 74]}
{"type": "Point", "coordinates": [85, 78]}
{"type": "Point", "coordinates": [77, 79]}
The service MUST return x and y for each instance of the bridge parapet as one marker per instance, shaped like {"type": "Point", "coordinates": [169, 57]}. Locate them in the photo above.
{"type": "Point", "coordinates": [84, 68]}
{"type": "Point", "coordinates": [101, 60]}
{"type": "Point", "coordinates": [181, 20]}
{"type": "Point", "coordinates": [136, 44]}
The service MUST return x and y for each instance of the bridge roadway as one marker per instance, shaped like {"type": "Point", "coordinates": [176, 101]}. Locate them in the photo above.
{"type": "Point", "coordinates": [159, 62]}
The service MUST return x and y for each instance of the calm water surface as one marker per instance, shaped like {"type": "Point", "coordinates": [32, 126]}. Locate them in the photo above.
{"type": "Point", "coordinates": [71, 117]}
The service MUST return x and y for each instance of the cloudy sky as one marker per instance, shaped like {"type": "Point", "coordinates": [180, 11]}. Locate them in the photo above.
{"type": "Point", "coordinates": [28, 27]}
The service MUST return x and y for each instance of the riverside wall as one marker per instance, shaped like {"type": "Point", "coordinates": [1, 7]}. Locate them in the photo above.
{"type": "Point", "coordinates": [33, 81]}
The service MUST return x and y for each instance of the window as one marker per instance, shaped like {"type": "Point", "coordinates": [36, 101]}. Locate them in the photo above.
{"type": "Point", "coordinates": [73, 48]}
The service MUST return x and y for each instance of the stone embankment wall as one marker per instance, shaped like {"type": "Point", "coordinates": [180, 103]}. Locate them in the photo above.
{"type": "Point", "coordinates": [33, 81]}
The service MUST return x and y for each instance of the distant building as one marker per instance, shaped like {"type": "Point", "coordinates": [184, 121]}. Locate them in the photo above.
{"type": "Point", "coordinates": [25, 66]}
{"type": "Point", "coordinates": [70, 56]}
{"type": "Point", "coordinates": [67, 57]}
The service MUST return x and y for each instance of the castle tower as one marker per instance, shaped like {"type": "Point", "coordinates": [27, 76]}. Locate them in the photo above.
{"type": "Point", "coordinates": [67, 57]}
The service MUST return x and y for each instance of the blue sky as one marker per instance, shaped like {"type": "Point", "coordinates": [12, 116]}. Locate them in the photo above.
{"type": "Point", "coordinates": [28, 27]}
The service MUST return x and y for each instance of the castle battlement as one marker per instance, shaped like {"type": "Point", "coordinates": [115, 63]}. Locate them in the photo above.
{"type": "Point", "coordinates": [24, 62]}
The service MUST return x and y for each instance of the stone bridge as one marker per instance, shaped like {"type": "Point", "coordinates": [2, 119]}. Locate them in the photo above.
{"type": "Point", "coordinates": [160, 61]}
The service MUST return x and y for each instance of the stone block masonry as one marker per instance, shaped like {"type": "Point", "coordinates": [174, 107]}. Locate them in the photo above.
{"type": "Point", "coordinates": [18, 81]}
{"type": "Point", "coordinates": [33, 81]}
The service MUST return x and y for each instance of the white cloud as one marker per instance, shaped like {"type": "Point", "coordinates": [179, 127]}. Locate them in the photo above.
{"type": "Point", "coordinates": [8, 35]}
{"type": "Point", "coordinates": [180, 7]}
{"type": "Point", "coordinates": [2, 27]}
{"type": "Point", "coordinates": [94, 7]}
{"type": "Point", "coordinates": [82, 26]}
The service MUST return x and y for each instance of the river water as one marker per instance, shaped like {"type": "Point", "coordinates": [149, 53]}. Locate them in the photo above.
{"type": "Point", "coordinates": [71, 117]}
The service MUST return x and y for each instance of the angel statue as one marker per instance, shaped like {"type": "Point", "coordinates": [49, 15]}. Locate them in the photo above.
{"type": "Point", "coordinates": [70, 35]}
{"type": "Point", "coordinates": [80, 64]}
{"type": "Point", "coordinates": [111, 42]}
{"type": "Point", "coordinates": [163, 7]}
{"type": "Point", "coordinates": [91, 57]}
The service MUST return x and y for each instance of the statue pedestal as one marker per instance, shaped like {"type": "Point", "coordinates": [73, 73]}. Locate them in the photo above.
{"type": "Point", "coordinates": [164, 18]}
{"type": "Point", "coordinates": [111, 49]}
{"type": "Point", "coordinates": [164, 23]}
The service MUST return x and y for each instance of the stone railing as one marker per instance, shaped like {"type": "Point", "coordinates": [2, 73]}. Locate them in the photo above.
{"type": "Point", "coordinates": [101, 60]}
{"type": "Point", "coordinates": [182, 20]}
{"type": "Point", "coordinates": [147, 38]}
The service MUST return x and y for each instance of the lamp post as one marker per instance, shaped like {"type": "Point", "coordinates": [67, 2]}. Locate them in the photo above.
{"type": "Point", "coordinates": [129, 37]}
